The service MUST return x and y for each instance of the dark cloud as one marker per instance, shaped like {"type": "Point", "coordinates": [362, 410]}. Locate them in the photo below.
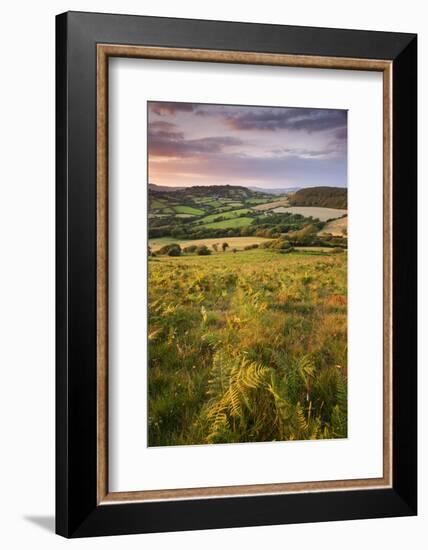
{"type": "Point", "coordinates": [170, 143]}
{"type": "Point", "coordinates": [240, 156]}
{"type": "Point", "coordinates": [170, 108]}
{"type": "Point", "coordinates": [341, 133]}
{"type": "Point", "coordinates": [309, 120]}
{"type": "Point", "coordinates": [262, 118]}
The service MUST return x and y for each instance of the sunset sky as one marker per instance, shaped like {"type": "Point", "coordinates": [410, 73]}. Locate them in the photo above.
{"type": "Point", "coordinates": [270, 147]}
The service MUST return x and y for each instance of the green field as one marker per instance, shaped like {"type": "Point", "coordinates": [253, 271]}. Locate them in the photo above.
{"type": "Point", "coordinates": [182, 209]}
{"type": "Point", "coordinates": [247, 346]}
{"type": "Point", "coordinates": [213, 202]}
{"type": "Point", "coordinates": [229, 224]}
{"type": "Point", "coordinates": [155, 203]}
{"type": "Point", "coordinates": [227, 215]}
{"type": "Point", "coordinates": [259, 201]}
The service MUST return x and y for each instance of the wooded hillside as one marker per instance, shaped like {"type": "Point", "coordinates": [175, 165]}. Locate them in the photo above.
{"type": "Point", "coordinates": [327, 197]}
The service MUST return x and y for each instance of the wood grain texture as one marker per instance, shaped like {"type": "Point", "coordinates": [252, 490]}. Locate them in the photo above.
{"type": "Point", "coordinates": [104, 51]}
{"type": "Point", "coordinates": [102, 275]}
{"type": "Point", "coordinates": [387, 274]}
{"type": "Point", "coordinates": [252, 58]}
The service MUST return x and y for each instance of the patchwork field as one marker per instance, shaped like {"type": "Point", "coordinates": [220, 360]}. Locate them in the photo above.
{"type": "Point", "coordinates": [273, 204]}
{"type": "Point", "coordinates": [247, 346]}
{"type": "Point", "coordinates": [228, 215]}
{"type": "Point", "coordinates": [182, 209]}
{"type": "Point", "coordinates": [225, 211]}
{"type": "Point", "coordinates": [231, 223]}
{"type": "Point", "coordinates": [336, 227]}
{"type": "Point", "coordinates": [322, 214]}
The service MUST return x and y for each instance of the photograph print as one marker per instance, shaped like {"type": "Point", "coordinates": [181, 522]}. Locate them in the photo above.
{"type": "Point", "coordinates": [247, 273]}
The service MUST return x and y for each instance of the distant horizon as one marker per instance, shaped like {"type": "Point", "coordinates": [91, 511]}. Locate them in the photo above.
{"type": "Point", "coordinates": [241, 185]}
{"type": "Point", "coordinates": [193, 144]}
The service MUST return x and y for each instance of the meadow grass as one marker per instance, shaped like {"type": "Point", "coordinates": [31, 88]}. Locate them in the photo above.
{"type": "Point", "coordinates": [321, 213]}
{"type": "Point", "coordinates": [258, 201]}
{"type": "Point", "coordinates": [157, 203]}
{"type": "Point", "coordinates": [247, 346]}
{"type": "Point", "coordinates": [229, 214]}
{"type": "Point", "coordinates": [183, 209]}
{"type": "Point", "coordinates": [229, 224]}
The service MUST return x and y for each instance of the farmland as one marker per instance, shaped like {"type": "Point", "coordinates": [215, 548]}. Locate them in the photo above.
{"type": "Point", "coordinates": [231, 211]}
{"type": "Point", "coordinates": [271, 205]}
{"type": "Point", "coordinates": [316, 212]}
{"type": "Point", "coordinates": [182, 209]}
{"type": "Point", "coordinates": [336, 227]}
{"type": "Point", "coordinates": [226, 214]}
{"type": "Point", "coordinates": [247, 346]}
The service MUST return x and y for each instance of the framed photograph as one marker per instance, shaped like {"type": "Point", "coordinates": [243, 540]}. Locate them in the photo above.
{"type": "Point", "coordinates": [236, 274]}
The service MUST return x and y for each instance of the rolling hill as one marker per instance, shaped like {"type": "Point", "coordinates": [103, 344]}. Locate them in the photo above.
{"type": "Point", "coordinates": [217, 191]}
{"type": "Point", "coordinates": [219, 211]}
{"type": "Point", "coordinates": [327, 197]}
{"type": "Point", "coordinates": [276, 191]}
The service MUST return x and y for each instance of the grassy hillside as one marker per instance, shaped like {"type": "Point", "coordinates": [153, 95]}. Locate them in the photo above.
{"type": "Point", "coordinates": [328, 197]}
{"type": "Point", "coordinates": [226, 215]}
{"type": "Point", "coordinates": [337, 227]}
{"type": "Point", "coordinates": [247, 346]}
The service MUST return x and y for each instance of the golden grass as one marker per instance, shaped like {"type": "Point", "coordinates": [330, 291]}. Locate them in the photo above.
{"type": "Point", "coordinates": [247, 347]}
{"type": "Point", "coordinates": [234, 242]}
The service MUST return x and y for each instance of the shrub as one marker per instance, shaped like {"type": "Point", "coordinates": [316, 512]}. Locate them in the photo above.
{"type": "Point", "coordinates": [203, 250]}
{"type": "Point", "coordinates": [281, 244]}
{"type": "Point", "coordinates": [176, 251]}
{"type": "Point", "coordinates": [336, 250]}
{"type": "Point", "coordinates": [251, 246]}
{"type": "Point", "coordinates": [168, 247]}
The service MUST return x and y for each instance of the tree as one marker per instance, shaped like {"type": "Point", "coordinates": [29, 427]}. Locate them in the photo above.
{"type": "Point", "coordinates": [224, 246]}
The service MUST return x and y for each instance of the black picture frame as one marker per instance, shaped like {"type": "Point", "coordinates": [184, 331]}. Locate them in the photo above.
{"type": "Point", "coordinates": [77, 511]}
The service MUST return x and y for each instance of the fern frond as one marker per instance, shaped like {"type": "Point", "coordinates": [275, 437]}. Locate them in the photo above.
{"type": "Point", "coordinates": [253, 374]}
{"type": "Point", "coordinates": [234, 401]}
{"type": "Point", "coordinates": [300, 418]}
{"type": "Point", "coordinates": [341, 392]}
